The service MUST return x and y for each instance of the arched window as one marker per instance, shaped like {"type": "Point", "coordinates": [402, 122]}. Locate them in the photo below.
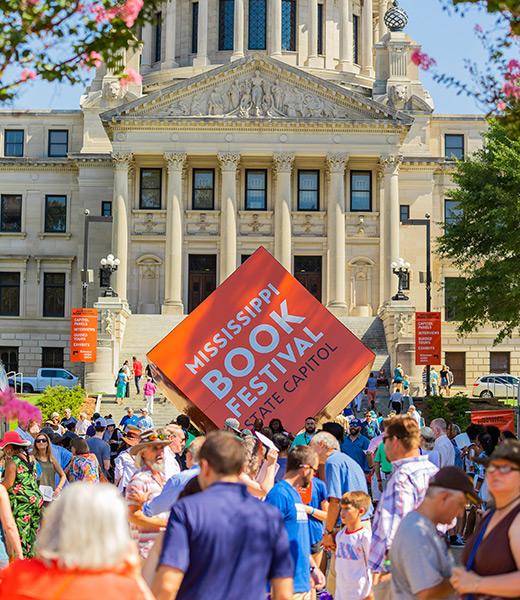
{"type": "Point", "coordinates": [226, 24]}
{"type": "Point", "coordinates": [289, 25]}
{"type": "Point", "coordinates": [257, 24]}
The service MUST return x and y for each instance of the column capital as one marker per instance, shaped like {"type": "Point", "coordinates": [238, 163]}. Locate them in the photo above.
{"type": "Point", "coordinates": [122, 160]}
{"type": "Point", "coordinates": [283, 163]}
{"type": "Point", "coordinates": [389, 163]}
{"type": "Point", "coordinates": [175, 161]}
{"type": "Point", "coordinates": [228, 161]}
{"type": "Point", "coordinates": [336, 163]}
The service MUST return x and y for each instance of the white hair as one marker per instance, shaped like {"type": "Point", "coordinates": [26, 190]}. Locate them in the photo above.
{"type": "Point", "coordinates": [82, 414]}
{"type": "Point", "coordinates": [329, 441]}
{"type": "Point", "coordinates": [439, 423]}
{"type": "Point", "coordinates": [86, 528]}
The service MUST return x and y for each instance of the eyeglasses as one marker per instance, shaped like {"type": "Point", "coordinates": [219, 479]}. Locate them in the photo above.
{"type": "Point", "coordinates": [41, 441]}
{"type": "Point", "coordinates": [503, 469]}
{"type": "Point", "coordinates": [387, 437]}
{"type": "Point", "coordinates": [155, 436]}
{"type": "Point", "coordinates": [312, 468]}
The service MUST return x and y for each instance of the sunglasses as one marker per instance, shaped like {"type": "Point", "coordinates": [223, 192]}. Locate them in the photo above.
{"type": "Point", "coordinates": [155, 436]}
{"type": "Point", "coordinates": [41, 441]}
{"type": "Point", "coordinates": [503, 469]}
{"type": "Point", "coordinates": [312, 468]}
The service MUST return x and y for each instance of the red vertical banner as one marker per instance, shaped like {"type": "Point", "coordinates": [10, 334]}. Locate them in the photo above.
{"type": "Point", "coordinates": [428, 342]}
{"type": "Point", "coordinates": [83, 335]}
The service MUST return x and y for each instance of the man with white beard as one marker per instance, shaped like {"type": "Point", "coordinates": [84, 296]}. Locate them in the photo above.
{"type": "Point", "coordinates": [148, 479]}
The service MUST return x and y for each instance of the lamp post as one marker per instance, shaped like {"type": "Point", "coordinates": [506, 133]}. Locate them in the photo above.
{"type": "Point", "coordinates": [425, 222]}
{"type": "Point", "coordinates": [400, 268]}
{"type": "Point", "coordinates": [109, 265]}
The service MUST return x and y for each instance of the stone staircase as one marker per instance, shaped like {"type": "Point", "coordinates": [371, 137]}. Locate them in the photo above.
{"type": "Point", "coordinates": [371, 332]}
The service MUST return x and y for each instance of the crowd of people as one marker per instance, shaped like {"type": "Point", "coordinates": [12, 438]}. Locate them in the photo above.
{"type": "Point", "coordinates": [358, 508]}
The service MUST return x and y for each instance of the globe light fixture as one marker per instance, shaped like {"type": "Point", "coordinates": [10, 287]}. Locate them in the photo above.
{"type": "Point", "coordinates": [401, 269]}
{"type": "Point", "coordinates": [109, 265]}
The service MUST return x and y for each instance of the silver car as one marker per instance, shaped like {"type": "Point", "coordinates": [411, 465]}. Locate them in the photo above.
{"type": "Point", "coordinates": [496, 385]}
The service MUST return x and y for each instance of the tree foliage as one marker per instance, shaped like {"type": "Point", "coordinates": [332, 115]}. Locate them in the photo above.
{"type": "Point", "coordinates": [59, 40]}
{"type": "Point", "coordinates": [56, 399]}
{"type": "Point", "coordinates": [483, 239]}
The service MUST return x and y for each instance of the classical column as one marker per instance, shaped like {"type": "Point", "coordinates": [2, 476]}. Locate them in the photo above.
{"type": "Point", "coordinates": [390, 165]}
{"type": "Point", "coordinates": [313, 60]}
{"type": "Point", "coordinates": [238, 33]}
{"type": "Point", "coordinates": [383, 5]}
{"type": "Point", "coordinates": [228, 214]}
{"type": "Point", "coordinates": [169, 61]}
{"type": "Point", "coordinates": [345, 37]}
{"type": "Point", "coordinates": [146, 56]}
{"type": "Point", "coordinates": [336, 164]}
{"type": "Point", "coordinates": [122, 163]}
{"type": "Point", "coordinates": [276, 29]}
{"type": "Point", "coordinates": [202, 36]}
{"type": "Point", "coordinates": [174, 235]}
{"type": "Point", "coordinates": [368, 39]}
{"type": "Point", "coordinates": [283, 164]}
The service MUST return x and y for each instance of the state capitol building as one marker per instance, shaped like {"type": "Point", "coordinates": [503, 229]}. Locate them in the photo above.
{"type": "Point", "coordinates": [298, 125]}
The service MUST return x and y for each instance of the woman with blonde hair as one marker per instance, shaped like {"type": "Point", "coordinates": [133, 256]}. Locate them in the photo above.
{"type": "Point", "coordinates": [50, 467]}
{"type": "Point", "coordinates": [258, 475]}
{"type": "Point", "coordinates": [84, 551]}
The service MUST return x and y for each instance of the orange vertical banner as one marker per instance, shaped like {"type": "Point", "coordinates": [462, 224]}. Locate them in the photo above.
{"type": "Point", "coordinates": [83, 335]}
{"type": "Point", "coordinates": [428, 342]}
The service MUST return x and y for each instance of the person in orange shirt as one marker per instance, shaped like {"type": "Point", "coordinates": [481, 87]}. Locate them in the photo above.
{"type": "Point", "coordinates": [84, 551]}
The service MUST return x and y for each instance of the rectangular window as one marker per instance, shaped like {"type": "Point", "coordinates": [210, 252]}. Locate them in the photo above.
{"type": "Point", "coordinates": [203, 189]}
{"type": "Point", "coordinates": [451, 212]}
{"type": "Point", "coordinates": [404, 212]}
{"type": "Point", "coordinates": [150, 191]}
{"type": "Point", "coordinates": [11, 213]}
{"type": "Point", "coordinates": [226, 24]}
{"type": "Point", "coordinates": [55, 214]}
{"type": "Point", "coordinates": [9, 294]}
{"type": "Point", "coordinates": [454, 146]}
{"type": "Point", "coordinates": [58, 142]}
{"type": "Point", "coordinates": [450, 298]}
{"type": "Point", "coordinates": [54, 294]}
{"type": "Point", "coordinates": [308, 190]}
{"type": "Point", "coordinates": [456, 361]}
{"type": "Point", "coordinates": [13, 142]}
{"type": "Point", "coordinates": [320, 28]}
{"type": "Point", "coordinates": [360, 191]}
{"type": "Point", "coordinates": [194, 27]}
{"type": "Point", "coordinates": [289, 25]}
{"type": "Point", "coordinates": [355, 39]}
{"type": "Point", "coordinates": [499, 362]}
{"type": "Point", "coordinates": [52, 358]}
{"type": "Point", "coordinates": [9, 358]}
{"type": "Point", "coordinates": [106, 208]}
{"type": "Point", "coordinates": [257, 24]}
{"type": "Point", "coordinates": [256, 189]}
{"type": "Point", "coordinates": [157, 37]}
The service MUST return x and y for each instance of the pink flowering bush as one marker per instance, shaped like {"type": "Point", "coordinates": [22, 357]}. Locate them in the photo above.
{"type": "Point", "coordinates": [130, 76]}
{"type": "Point", "coordinates": [11, 408]}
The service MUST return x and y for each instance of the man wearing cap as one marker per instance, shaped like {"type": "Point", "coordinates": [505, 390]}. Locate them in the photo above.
{"type": "Point", "coordinates": [100, 448]}
{"type": "Point", "coordinates": [421, 564]}
{"type": "Point", "coordinates": [129, 418]}
{"type": "Point", "coordinates": [144, 421]}
{"type": "Point", "coordinates": [356, 445]}
{"type": "Point", "coordinates": [148, 479]}
{"type": "Point", "coordinates": [232, 425]}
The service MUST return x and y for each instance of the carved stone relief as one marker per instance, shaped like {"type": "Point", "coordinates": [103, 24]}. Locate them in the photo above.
{"type": "Point", "coordinates": [401, 321]}
{"type": "Point", "coordinates": [149, 226]}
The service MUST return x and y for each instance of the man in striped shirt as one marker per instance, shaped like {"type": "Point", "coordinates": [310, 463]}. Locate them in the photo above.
{"type": "Point", "coordinates": [405, 490]}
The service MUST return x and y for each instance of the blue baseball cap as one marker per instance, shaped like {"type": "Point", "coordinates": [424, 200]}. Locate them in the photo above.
{"type": "Point", "coordinates": [355, 423]}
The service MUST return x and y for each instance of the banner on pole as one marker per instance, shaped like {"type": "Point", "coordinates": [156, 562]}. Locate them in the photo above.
{"type": "Point", "coordinates": [503, 419]}
{"type": "Point", "coordinates": [260, 346]}
{"type": "Point", "coordinates": [428, 342]}
{"type": "Point", "coordinates": [83, 335]}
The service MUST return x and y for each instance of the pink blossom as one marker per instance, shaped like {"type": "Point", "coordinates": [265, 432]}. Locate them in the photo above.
{"type": "Point", "coordinates": [477, 29]}
{"type": "Point", "coordinates": [130, 76]}
{"type": "Point", "coordinates": [27, 74]}
{"type": "Point", "coordinates": [92, 59]}
{"type": "Point", "coordinates": [130, 11]}
{"type": "Point", "coordinates": [12, 408]}
{"type": "Point", "coordinates": [501, 105]}
{"type": "Point", "coordinates": [511, 90]}
{"type": "Point", "coordinates": [421, 59]}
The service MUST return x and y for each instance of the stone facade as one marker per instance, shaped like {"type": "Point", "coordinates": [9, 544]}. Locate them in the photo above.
{"type": "Point", "coordinates": [349, 111]}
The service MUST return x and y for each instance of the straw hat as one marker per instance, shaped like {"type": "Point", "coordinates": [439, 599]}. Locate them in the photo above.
{"type": "Point", "coordinates": [149, 437]}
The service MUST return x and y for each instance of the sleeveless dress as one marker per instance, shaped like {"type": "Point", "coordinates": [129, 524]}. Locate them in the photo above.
{"type": "Point", "coordinates": [26, 504]}
{"type": "Point", "coordinates": [494, 555]}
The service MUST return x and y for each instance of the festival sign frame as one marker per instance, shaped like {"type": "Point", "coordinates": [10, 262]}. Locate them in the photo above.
{"type": "Point", "coordinates": [260, 346]}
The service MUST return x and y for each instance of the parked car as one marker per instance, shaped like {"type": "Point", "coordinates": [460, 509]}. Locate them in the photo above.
{"type": "Point", "coordinates": [46, 378]}
{"type": "Point", "coordinates": [496, 385]}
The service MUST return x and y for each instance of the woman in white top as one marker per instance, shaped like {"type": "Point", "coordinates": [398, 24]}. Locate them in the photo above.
{"type": "Point", "coordinates": [82, 425]}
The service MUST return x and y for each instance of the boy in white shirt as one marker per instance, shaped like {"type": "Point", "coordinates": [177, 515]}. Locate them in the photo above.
{"type": "Point", "coordinates": [353, 577]}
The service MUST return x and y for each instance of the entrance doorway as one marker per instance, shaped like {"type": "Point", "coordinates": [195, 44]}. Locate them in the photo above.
{"type": "Point", "coordinates": [307, 270]}
{"type": "Point", "coordinates": [202, 278]}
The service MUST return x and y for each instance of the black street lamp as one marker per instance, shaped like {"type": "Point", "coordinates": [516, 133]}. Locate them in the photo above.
{"type": "Point", "coordinates": [109, 265]}
{"type": "Point", "coordinates": [401, 269]}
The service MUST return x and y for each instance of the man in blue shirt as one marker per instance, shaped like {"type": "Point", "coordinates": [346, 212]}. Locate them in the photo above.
{"type": "Point", "coordinates": [355, 445]}
{"type": "Point", "coordinates": [302, 464]}
{"type": "Point", "coordinates": [129, 418]}
{"type": "Point", "coordinates": [223, 543]}
{"type": "Point", "coordinates": [68, 418]}
{"type": "Point", "coordinates": [145, 421]}
{"type": "Point", "coordinates": [173, 487]}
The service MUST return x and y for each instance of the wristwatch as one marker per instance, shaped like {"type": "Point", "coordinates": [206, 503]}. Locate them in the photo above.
{"type": "Point", "coordinates": [329, 531]}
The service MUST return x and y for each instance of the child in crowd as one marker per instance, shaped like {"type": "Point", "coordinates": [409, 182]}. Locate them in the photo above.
{"type": "Point", "coordinates": [353, 578]}
{"type": "Point", "coordinates": [149, 394]}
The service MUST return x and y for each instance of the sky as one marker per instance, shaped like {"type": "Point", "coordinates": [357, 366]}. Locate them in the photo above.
{"type": "Point", "coordinates": [449, 38]}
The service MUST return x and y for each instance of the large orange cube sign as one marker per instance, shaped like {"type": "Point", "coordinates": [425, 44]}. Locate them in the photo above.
{"type": "Point", "coordinates": [261, 346]}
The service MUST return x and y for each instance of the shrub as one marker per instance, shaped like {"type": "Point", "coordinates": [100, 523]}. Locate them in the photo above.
{"type": "Point", "coordinates": [451, 409]}
{"type": "Point", "coordinates": [55, 399]}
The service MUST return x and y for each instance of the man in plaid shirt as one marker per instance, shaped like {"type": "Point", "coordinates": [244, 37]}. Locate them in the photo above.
{"type": "Point", "coordinates": [405, 490]}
